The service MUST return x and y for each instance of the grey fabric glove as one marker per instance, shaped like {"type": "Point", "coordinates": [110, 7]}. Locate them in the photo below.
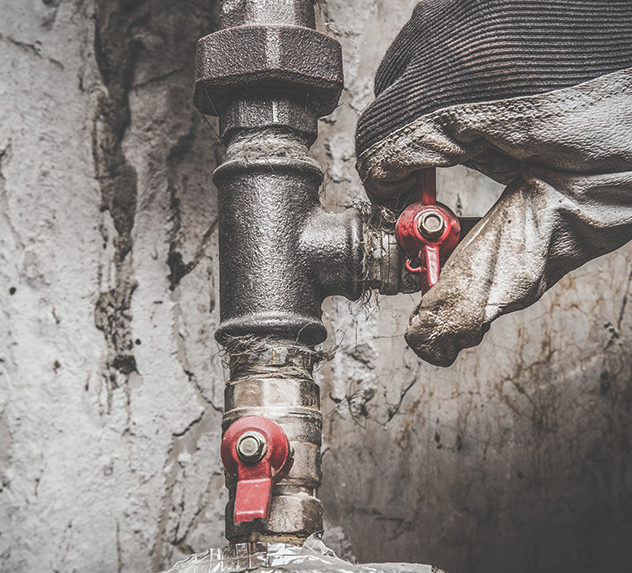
{"type": "Point", "coordinates": [565, 155]}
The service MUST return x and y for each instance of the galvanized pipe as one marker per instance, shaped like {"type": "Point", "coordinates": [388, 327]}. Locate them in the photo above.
{"type": "Point", "coordinates": [269, 76]}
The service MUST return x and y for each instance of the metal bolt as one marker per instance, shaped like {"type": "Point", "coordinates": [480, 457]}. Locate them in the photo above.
{"type": "Point", "coordinates": [251, 447]}
{"type": "Point", "coordinates": [431, 225]}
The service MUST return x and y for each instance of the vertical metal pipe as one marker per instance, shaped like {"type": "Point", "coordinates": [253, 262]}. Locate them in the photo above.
{"type": "Point", "coordinates": [269, 75]}
{"type": "Point", "coordinates": [270, 310]}
{"type": "Point", "coordinates": [274, 12]}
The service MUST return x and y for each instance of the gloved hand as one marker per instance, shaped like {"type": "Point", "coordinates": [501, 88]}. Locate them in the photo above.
{"type": "Point", "coordinates": [536, 94]}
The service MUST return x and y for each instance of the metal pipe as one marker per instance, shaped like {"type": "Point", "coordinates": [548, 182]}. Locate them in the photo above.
{"type": "Point", "coordinates": [269, 76]}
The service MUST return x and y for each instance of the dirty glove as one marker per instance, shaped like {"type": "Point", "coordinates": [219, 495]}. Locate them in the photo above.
{"type": "Point", "coordinates": [536, 94]}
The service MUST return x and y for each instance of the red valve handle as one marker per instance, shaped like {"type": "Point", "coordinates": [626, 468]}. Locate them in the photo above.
{"type": "Point", "coordinates": [427, 232]}
{"type": "Point", "coordinates": [257, 451]}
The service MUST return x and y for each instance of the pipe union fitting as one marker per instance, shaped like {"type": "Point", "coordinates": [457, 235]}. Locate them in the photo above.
{"type": "Point", "coordinates": [268, 56]}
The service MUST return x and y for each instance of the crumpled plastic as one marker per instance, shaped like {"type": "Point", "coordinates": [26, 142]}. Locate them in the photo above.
{"type": "Point", "coordinates": [313, 557]}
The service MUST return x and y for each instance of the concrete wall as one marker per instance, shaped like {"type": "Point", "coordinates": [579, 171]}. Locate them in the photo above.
{"type": "Point", "coordinates": [515, 459]}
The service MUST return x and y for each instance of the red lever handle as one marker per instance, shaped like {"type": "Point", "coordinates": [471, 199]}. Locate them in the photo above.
{"type": "Point", "coordinates": [427, 232]}
{"type": "Point", "coordinates": [257, 451]}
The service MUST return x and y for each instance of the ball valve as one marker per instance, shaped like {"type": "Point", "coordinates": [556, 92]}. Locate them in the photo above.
{"type": "Point", "coordinates": [427, 232]}
{"type": "Point", "coordinates": [255, 450]}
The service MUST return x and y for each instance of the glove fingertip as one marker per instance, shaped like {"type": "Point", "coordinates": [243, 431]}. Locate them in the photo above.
{"type": "Point", "coordinates": [439, 333]}
{"type": "Point", "coordinates": [438, 351]}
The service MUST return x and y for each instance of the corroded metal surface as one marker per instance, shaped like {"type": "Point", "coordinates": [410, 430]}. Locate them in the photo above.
{"type": "Point", "coordinates": [281, 253]}
{"type": "Point", "coordinates": [287, 12]}
{"type": "Point", "coordinates": [269, 76]}
{"type": "Point", "coordinates": [272, 56]}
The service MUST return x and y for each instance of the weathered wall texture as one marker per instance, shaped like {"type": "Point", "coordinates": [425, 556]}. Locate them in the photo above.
{"type": "Point", "coordinates": [518, 458]}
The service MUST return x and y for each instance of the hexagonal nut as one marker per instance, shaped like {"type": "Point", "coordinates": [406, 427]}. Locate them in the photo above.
{"type": "Point", "coordinates": [268, 56]}
{"type": "Point", "coordinates": [265, 108]}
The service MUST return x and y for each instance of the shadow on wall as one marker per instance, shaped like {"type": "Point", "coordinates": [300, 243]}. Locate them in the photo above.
{"type": "Point", "coordinates": [518, 458]}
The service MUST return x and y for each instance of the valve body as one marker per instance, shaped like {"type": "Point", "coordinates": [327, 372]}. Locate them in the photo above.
{"type": "Point", "coordinates": [427, 232]}
{"type": "Point", "coordinates": [256, 451]}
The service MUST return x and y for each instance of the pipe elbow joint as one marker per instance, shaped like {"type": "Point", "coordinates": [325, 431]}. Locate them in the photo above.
{"type": "Point", "coordinates": [333, 245]}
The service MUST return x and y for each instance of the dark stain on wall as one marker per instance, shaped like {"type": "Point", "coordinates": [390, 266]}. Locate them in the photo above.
{"type": "Point", "coordinates": [116, 52]}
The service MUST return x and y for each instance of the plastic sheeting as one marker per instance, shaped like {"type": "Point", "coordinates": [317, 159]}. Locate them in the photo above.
{"type": "Point", "coordinates": [313, 557]}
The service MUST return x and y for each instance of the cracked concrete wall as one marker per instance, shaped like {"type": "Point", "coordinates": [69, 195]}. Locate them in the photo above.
{"type": "Point", "coordinates": [515, 459]}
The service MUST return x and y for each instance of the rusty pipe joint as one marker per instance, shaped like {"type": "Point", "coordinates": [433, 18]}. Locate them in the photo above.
{"type": "Point", "coordinates": [333, 245]}
{"type": "Point", "coordinates": [287, 76]}
{"type": "Point", "coordinates": [351, 254]}
{"type": "Point", "coordinates": [283, 254]}
{"type": "Point", "coordinates": [268, 76]}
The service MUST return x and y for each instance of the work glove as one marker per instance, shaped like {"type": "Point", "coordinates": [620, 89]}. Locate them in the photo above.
{"type": "Point", "coordinates": [536, 94]}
